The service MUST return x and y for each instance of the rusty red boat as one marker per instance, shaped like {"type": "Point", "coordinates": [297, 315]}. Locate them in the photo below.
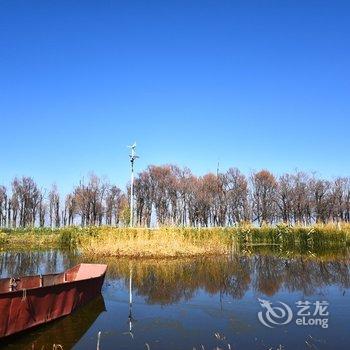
{"type": "Point", "coordinates": [30, 301]}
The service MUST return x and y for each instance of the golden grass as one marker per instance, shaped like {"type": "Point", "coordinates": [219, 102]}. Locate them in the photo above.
{"type": "Point", "coordinates": [171, 242]}
{"type": "Point", "coordinates": [163, 243]}
{"type": "Point", "coordinates": [29, 239]}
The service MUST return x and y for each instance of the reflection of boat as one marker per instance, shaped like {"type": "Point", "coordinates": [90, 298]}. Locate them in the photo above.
{"type": "Point", "coordinates": [27, 302]}
{"type": "Point", "coordinates": [65, 332]}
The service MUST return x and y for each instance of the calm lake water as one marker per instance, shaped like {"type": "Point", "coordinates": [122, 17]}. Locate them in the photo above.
{"type": "Point", "coordinates": [205, 303]}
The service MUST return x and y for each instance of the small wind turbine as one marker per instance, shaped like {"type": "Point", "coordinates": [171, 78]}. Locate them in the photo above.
{"type": "Point", "coordinates": [132, 156]}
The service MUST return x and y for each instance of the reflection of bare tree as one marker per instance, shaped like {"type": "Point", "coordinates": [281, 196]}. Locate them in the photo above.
{"type": "Point", "coordinates": [299, 276]}
{"type": "Point", "coordinates": [33, 262]}
{"type": "Point", "coordinates": [169, 281]}
{"type": "Point", "coordinates": [306, 276]}
{"type": "Point", "coordinates": [235, 276]}
{"type": "Point", "coordinates": [268, 275]}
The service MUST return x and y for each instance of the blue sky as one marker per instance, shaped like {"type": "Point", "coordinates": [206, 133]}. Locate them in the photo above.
{"type": "Point", "coordinates": [254, 84]}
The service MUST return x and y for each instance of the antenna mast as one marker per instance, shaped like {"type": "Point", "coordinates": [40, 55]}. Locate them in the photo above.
{"type": "Point", "coordinates": [132, 156]}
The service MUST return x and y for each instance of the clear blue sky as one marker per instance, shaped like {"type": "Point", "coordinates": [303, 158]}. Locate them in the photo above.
{"type": "Point", "coordinates": [256, 84]}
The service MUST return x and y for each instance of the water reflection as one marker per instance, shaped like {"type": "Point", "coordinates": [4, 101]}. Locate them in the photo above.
{"type": "Point", "coordinates": [14, 263]}
{"type": "Point", "coordinates": [169, 281]}
{"type": "Point", "coordinates": [182, 303]}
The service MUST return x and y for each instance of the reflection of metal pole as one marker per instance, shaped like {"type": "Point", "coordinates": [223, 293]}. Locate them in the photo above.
{"type": "Point", "coordinates": [132, 156]}
{"type": "Point", "coordinates": [130, 302]}
{"type": "Point", "coordinates": [130, 319]}
{"type": "Point", "coordinates": [98, 340]}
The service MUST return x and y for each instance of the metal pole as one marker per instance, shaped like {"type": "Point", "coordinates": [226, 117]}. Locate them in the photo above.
{"type": "Point", "coordinates": [132, 193]}
{"type": "Point", "coordinates": [132, 156]}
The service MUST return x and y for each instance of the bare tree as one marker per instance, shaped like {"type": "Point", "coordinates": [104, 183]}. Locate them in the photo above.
{"type": "Point", "coordinates": [25, 201]}
{"type": "Point", "coordinates": [264, 195]}
{"type": "Point", "coordinates": [54, 207]}
{"type": "Point", "coordinates": [285, 196]}
{"type": "Point", "coordinates": [320, 191]}
{"type": "Point", "coordinates": [42, 210]}
{"type": "Point", "coordinates": [177, 197]}
{"type": "Point", "coordinates": [302, 202]}
{"type": "Point", "coordinates": [237, 196]}
{"type": "Point", "coordinates": [113, 205]}
{"type": "Point", "coordinates": [3, 206]}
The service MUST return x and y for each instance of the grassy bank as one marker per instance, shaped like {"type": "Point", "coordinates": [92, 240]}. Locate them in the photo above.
{"type": "Point", "coordinates": [26, 239]}
{"type": "Point", "coordinates": [182, 242]}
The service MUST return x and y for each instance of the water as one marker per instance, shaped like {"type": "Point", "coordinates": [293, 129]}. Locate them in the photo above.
{"type": "Point", "coordinates": [196, 303]}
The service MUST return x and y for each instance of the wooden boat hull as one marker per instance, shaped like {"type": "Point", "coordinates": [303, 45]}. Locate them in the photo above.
{"type": "Point", "coordinates": [66, 331]}
{"type": "Point", "coordinates": [55, 297]}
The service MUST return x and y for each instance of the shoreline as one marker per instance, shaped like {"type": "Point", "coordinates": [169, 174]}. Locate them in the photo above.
{"type": "Point", "coordinates": [173, 242]}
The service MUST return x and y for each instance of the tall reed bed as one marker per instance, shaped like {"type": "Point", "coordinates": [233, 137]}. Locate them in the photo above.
{"type": "Point", "coordinates": [181, 242]}
{"type": "Point", "coordinates": [141, 242]}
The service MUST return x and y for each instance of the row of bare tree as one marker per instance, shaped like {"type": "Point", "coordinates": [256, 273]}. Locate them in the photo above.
{"type": "Point", "coordinates": [94, 203]}
{"type": "Point", "coordinates": [225, 199]}
{"type": "Point", "coordinates": [169, 195]}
